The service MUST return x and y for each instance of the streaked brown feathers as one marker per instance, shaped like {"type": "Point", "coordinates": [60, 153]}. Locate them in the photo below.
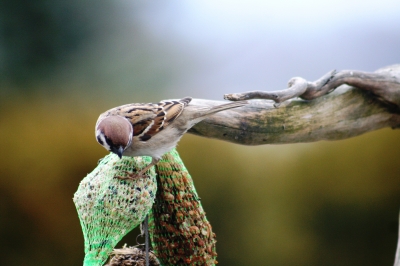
{"type": "Point", "coordinates": [149, 119]}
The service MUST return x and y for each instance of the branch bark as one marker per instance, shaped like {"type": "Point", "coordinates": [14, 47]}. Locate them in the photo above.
{"type": "Point", "coordinates": [339, 105]}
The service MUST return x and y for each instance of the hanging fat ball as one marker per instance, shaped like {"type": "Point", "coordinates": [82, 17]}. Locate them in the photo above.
{"type": "Point", "coordinates": [178, 226]}
{"type": "Point", "coordinates": [110, 207]}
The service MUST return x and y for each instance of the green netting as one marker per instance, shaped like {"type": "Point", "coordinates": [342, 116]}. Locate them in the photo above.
{"type": "Point", "coordinates": [179, 229]}
{"type": "Point", "coordinates": [108, 208]}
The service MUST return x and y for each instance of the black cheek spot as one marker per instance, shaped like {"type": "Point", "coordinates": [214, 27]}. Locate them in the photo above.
{"type": "Point", "coordinates": [145, 137]}
{"type": "Point", "coordinates": [100, 141]}
{"type": "Point", "coordinates": [109, 142]}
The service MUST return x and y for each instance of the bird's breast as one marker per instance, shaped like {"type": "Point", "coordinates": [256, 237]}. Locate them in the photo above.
{"type": "Point", "coordinates": [159, 144]}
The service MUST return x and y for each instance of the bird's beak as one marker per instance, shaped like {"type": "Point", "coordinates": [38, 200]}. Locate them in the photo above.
{"type": "Point", "coordinates": [120, 151]}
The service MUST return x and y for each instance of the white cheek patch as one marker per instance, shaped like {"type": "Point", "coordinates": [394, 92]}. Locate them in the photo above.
{"type": "Point", "coordinates": [102, 140]}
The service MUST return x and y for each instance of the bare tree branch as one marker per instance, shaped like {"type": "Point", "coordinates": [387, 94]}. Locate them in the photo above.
{"type": "Point", "coordinates": [298, 87]}
{"type": "Point", "coordinates": [339, 105]}
{"type": "Point", "coordinates": [384, 83]}
{"type": "Point", "coordinates": [328, 110]}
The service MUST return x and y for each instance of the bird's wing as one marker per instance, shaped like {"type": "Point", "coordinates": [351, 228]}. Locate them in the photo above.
{"type": "Point", "coordinates": [173, 109]}
{"type": "Point", "coordinates": [149, 119]}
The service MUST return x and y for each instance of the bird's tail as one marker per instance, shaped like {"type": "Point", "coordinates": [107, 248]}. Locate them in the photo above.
{"type": "Point", "coordinates": [226, 106]}
{"type": "Point", "coordinates": [206, 111]}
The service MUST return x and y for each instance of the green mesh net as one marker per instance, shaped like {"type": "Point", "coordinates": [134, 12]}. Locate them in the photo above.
{"type": "Point", "coordinates": [108, 207]}
{"type": "Point", "coordinates": [179, 230]}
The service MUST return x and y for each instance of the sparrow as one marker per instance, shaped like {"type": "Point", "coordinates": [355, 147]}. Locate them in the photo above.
{"type": "Point", "coordinates": [151, 129]}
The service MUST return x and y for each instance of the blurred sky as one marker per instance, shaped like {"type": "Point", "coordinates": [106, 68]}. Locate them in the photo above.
{"type": "Point", "coordinates": [220, 46]}
{"type": "Point", "coordinates": [204, 49]}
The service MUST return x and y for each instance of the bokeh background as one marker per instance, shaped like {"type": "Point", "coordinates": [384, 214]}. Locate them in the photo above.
{"type": "Point", "coordinates": [62, 63]}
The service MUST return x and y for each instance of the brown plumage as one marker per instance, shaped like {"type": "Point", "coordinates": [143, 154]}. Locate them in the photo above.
{"type": "Point", "coordinates": [151, 129]}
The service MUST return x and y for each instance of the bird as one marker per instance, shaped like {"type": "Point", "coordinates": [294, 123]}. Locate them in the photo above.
{"type": "Point", "coordinates": [151, 129]}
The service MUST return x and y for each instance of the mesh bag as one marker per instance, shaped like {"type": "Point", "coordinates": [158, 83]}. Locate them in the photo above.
{"type": "Point", "coordinates": [179, 230]}
{"type": "Point", "coordinates": [108, 207]}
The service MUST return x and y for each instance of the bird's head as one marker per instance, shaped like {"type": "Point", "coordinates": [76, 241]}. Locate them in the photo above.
{"type": "Point", "coordinates": [114, 133]}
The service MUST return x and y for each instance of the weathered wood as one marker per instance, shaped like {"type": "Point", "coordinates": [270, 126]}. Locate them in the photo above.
{"type": "Point", "coordinates": [337, 106]}
{"type": "Point", "coordinates": [346, 112]}
{"type": "Point", "coordinates": [384, 84]}
{"type": "Point", "coordinates": [298, 87]}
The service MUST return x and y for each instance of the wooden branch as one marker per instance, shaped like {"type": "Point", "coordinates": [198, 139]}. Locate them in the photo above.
{"type": "Point", "coordinates": [298, 87]}
{"type": "Point", "coordinates": [328, 110]}
{"type": "Point", "coordinates": [339, 105]}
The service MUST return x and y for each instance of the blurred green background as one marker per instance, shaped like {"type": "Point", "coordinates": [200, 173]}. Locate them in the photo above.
{"type": "Point", "coordinates": [62, 63]}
